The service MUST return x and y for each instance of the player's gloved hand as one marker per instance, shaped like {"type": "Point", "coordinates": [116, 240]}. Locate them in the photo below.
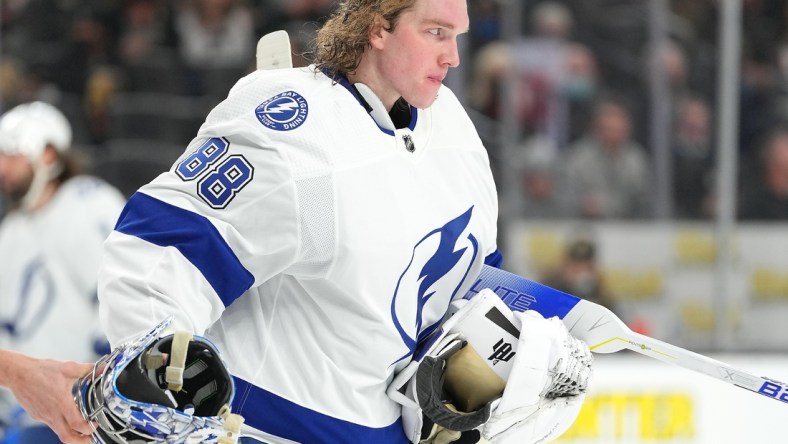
{"type": "Point", "coordinates": [533, 395]}
{"type": "Point", "coordinates": [546, 387]}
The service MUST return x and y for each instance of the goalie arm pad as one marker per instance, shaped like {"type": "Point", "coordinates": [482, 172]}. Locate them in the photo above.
{"type": "Point", "coordinates": [527, 393]}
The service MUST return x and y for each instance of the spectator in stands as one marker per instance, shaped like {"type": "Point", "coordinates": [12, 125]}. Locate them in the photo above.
{"type": "Point", "coordinates": [759, 98]}
{"type": "Point", "coordinates": [216, 42]}
{"type": "Point", "coordinates": [541, 60]}
{"type": "Point", "coordinates": [492, 63]}
{"type": "Point", "coordinates": [607, 172]}
{"type": "Point", "coordinates": [536, 64]}
{"type": "Point", "coordinates": [693, 160]}
{"type": "Point", "coordinates": [145, 28]}
{"type": "Point", "coordinates": [782, 81]}
{"type": "Point", "coordinates": [555, 78]}
{"type": "Point", "coordinates": [215, 33]}
{"type": "Point", "coordinates": [664, 78]}
{"type": "Point", "coordinates": [673, 62]}
{"type": "Point", "coordinates": [50, 246]}
{"type": "Point", "coordinates": [91, 42]}
{"type": "Point", "coordinates": [765, 185]}
{"type": "Point", "coordinates": [552, 19]}
{"type": "Point", "coordinates": [102, 88]}
{"type": "Point", "coordinates": [19, 83]}
{"type": "Point", "coordinates": [580, 89]}
{"type": "Point", "coordinates": [538, 170]}
{"type": "Point", "coordinates": [485, 24]}
{"type": "Point", "coordinates": [14, 82]}
{"type": "Point", "coordinates": [579, 274]}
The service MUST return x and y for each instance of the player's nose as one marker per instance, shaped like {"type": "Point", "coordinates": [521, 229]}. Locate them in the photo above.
{"type": "Point", "coordinates": [451, 54]}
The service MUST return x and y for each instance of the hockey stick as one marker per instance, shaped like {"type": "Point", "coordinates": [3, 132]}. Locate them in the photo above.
{"type": "Point", "coordinates": [273, 51]}
{"type": "Point", "coordinates": [604, 332]}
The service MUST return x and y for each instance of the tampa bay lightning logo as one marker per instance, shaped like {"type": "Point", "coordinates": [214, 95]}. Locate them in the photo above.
{"type": "Point", "coordinates": [283, 112]}
{"type": "Point", "coordinates": [439, 266]}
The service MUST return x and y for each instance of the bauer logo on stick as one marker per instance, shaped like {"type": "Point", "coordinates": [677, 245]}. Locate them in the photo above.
{"type": "Point", "coordinates": [283, 112]}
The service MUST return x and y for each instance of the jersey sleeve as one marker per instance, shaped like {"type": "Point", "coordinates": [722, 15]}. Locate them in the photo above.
{"type": "Point", "coordinates": [80, 252]}
{"type": "Point", "coordinates": [194, 240]}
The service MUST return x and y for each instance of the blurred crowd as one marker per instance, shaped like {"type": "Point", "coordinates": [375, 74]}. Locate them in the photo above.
{"type": "Point", "coordinates": [137, 77]}
{"type": "Point", "coordinates": [585, 74]}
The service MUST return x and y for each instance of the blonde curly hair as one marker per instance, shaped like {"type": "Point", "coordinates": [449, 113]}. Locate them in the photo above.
{"type": "Point", "coordinates": [344, 37]}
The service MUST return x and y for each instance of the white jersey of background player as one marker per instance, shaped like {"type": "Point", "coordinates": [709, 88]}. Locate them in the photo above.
{"type": "Point", "coordinates": [51, 240]}
{"type": "Point", "coordinates": [316, 237]}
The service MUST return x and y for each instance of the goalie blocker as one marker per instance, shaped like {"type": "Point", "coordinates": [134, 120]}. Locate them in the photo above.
{"type": "Point", "coordinates": [489, 374]}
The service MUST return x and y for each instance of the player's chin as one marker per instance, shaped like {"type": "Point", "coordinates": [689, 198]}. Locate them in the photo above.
{"type": "Point", "coordinates": [426, 98]}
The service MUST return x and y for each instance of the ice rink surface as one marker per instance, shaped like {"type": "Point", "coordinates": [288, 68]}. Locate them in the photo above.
{"type": "Point", "coordinates": [634, 399]}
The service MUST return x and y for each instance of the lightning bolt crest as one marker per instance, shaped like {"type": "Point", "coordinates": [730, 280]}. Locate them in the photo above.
{"type": "Point", "coordinates": [281, 108]}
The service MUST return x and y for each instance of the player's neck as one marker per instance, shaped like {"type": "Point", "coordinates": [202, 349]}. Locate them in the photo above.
{"type": "Point", "coordinates": [367, 75]}
{"type": "Point", "coordinates": [46, 196]}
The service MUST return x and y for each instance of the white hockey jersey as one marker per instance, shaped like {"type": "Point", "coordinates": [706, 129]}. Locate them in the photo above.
{"type": "Point", "coordinates": [49, 261]}
{"type": "Point", "coordinates": [313, 242]}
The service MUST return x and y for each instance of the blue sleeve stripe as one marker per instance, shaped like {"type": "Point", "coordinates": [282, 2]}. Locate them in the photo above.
{"type": "Point", "coordinates": [194, 236]}
{"type": "Point", "coordinates": [277, 416]}
{"type": "Point", "coordinates": [494, 259]}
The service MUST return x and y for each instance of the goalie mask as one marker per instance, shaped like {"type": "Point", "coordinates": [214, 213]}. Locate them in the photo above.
{"type": "Point", "coordinates": [161, 389]}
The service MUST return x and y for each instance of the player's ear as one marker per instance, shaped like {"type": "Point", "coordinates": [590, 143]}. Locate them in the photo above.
{"type": "Point", "coordinates": [50, 155]}
{"type": "Point", "coordinates": [378, 31]}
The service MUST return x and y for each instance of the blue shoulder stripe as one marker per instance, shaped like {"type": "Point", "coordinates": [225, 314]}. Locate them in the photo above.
{"type": "Point", "coordinates": [193, 235]}
{"type": "Point", "coordinates": [275, 415]}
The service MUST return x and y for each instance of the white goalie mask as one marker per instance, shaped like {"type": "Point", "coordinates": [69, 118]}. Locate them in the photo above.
{"type": "Point", "coordinates": [160, 389]}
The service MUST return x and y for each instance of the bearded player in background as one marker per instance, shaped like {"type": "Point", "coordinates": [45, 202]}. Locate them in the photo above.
{"type": "Point", "coordinates": [50, 248]}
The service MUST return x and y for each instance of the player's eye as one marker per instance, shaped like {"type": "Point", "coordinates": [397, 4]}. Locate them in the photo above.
{"type": "Point", "coordinates": [436, 32]}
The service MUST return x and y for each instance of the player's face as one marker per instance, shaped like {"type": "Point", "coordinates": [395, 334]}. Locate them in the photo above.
{"type": "Point", "coordinates": [16, 175]}
{"type": "Point", "coordinates": [415, 57]}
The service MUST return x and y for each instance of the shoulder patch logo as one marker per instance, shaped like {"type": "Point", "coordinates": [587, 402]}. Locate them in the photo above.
{"type": "Point", "coordinates": [283, 112]}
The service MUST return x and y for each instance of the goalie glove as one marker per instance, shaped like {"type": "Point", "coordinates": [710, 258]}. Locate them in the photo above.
{"type": "Point", "coordinates": [160, 389]}
{"type": "Point", "coordinates": [495, 375]}
{"type": "Point", "coordinates": [546, 387]}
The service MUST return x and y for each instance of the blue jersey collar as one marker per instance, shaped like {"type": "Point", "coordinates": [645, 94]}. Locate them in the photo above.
{"type": "Point", "coordinates": [371, 103]}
